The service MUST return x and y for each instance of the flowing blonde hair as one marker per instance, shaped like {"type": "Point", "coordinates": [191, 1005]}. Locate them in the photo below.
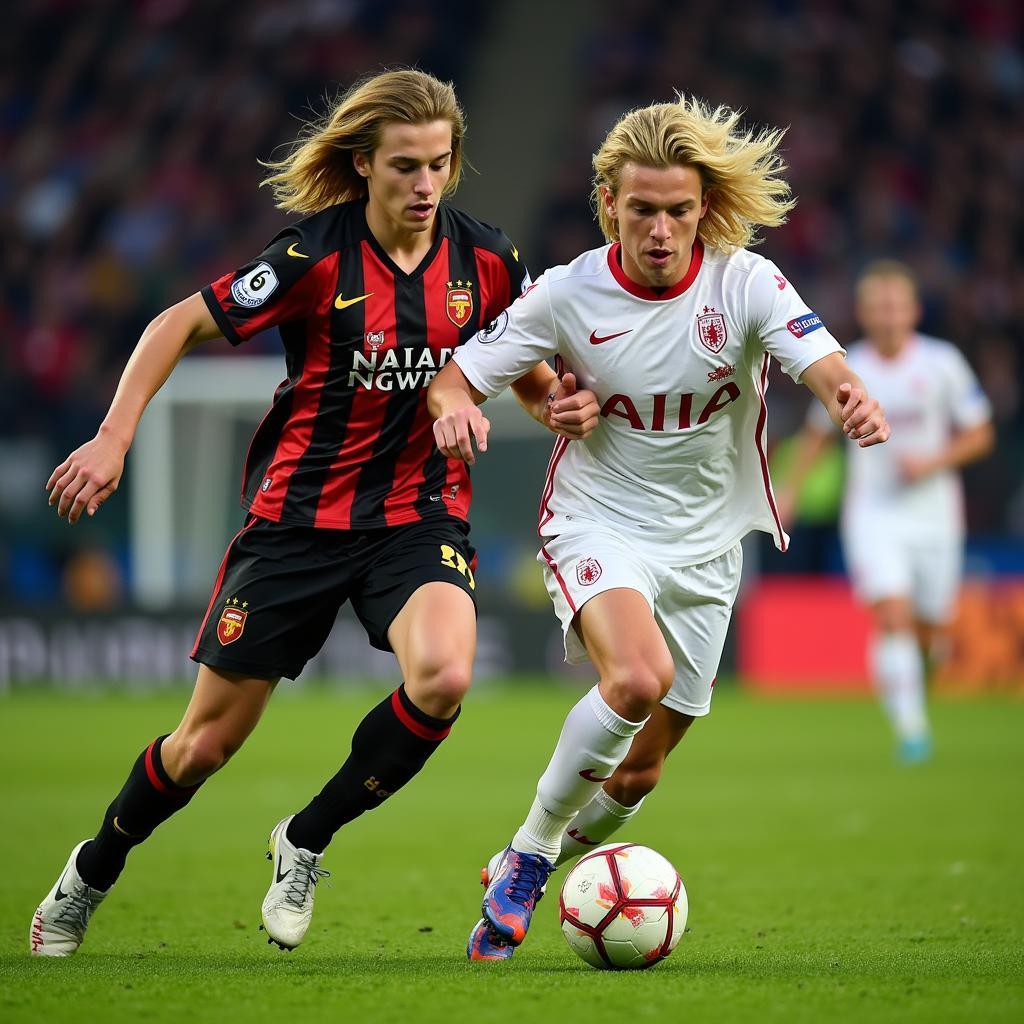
{"type": "Point", "coordinates": [741, 170]}
{"type": "Point", "coordinates": [319, 172]}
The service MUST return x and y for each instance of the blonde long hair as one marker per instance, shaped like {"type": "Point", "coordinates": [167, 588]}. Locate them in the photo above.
{"type": "Point", "coordinates": [741, 170]}
{"type": "Point", "coordinates": [318, 172]}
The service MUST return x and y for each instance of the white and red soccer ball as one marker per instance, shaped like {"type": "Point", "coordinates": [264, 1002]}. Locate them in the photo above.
{"type": "Point", "coordinates": [623, 906]}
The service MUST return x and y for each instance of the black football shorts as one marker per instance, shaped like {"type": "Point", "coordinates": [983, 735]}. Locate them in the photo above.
{"type": "Point", "coordinates": [280, 587]}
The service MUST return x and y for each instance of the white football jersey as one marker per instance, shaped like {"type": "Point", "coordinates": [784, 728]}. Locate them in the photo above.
{"type": "Point", "coordinates": [678, 459]}
{"type": "Point", "coordinates": [928, 392]}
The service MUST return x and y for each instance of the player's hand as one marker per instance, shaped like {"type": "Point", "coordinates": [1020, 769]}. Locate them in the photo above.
{"type": "Point", "coordinates": [571, 413]}
{"type": "Point", "coordinates": [86, 478]}
{"type": "Point", "coordinates": [863, 418]}
{"type": "Point", "coordinates": [455, 432]}
{"type": "Point", "coordinates": [916, 467]}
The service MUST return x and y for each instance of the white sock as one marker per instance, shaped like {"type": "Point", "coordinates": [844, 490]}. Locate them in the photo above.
{"type": "Point", "coordinates": [593, 742]}
{"type": "Point", "coordinates": [595, 823]}
{"type": "Point", "coordinates": [899, 674]}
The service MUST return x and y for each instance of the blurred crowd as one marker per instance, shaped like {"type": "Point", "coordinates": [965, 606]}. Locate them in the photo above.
{"type": "Point", "coordinates": [130, 131]}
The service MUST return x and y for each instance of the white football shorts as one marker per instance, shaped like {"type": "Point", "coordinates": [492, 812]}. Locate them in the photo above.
{"type": "Point", "coordinates": [692, 605]}
{"type": "Point", "coordinates": [892, 563]}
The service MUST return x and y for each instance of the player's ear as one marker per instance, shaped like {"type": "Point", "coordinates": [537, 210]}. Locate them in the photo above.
{"type": "Point", "coordinates": [361, 162]}
{"type": "Point", "coordinates": [608, 200]}
{"type": "Point", "coordinates": [704, 200]}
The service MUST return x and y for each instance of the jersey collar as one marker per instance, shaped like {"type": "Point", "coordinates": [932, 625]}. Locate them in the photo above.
{"type": "Point", "coordinates": [642, 291]}
{"type": "Point", "coordinates": [439, 237]}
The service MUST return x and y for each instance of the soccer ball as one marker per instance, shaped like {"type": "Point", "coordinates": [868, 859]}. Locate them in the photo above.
{"type": "Point", "coordinates": [622, 906]}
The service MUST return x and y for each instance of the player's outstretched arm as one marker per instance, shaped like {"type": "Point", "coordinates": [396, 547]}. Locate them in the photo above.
{"type": "Point", "coordinates": [453, 401]}
{"type": "Point", "coordinates": [965, 446]}
{"type": "Point", "coordinates": [811, 445]}
{"type": "Point", "coordinates": [90, 474]}
{"type": "Point", "coordinates": [847, 401]}
{"type": "Point", "coordinates": [557, 403]}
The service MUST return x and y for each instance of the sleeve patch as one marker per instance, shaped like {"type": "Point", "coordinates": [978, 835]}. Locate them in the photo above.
{"type": "Point", "coordinates": [255, 287]}
{"type": "Point", "coordinates": [495, 329]}
{"type": "Point", "coordinates": [804, 325]}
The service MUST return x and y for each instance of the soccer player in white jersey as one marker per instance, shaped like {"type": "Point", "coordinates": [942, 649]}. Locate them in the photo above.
{"type": "Point", "coordinates": [902, 522]}
{"type": "Point", "coordinates": [671, 325]}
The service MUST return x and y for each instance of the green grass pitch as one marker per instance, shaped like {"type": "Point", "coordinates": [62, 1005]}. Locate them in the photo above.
{"type": "Point", "coordinates": [826, 881]}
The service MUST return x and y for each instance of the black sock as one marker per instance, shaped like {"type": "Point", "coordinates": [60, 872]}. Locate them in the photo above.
{"type": "Point", "coordinates": [147, 798]}
{"type": "Point", "coordinates": [390, 746]}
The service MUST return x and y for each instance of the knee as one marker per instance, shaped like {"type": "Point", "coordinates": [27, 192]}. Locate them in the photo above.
{"type": "Point", "coordinates": [634, 690]}
{"type": "Point", "coordinates": [193, 757]}
{"type": "Point", "coordinates": [893, 616]}
{"type": "Point", "coordinates": [439, 688]}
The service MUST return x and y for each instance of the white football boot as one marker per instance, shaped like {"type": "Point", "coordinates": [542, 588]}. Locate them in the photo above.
{"type": "Point", "coordinates": [288, 907]}
{"type": "Point", "coordinates": [59, 923]}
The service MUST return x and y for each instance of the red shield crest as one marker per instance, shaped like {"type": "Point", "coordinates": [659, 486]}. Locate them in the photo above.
{"type": "Point", "coordinates": [588, 571]}
{"type": "Point", "coordinates": [231, 624]}
{"type": "Point", "coordinates": [459, 305]}
{"type": "Point", "coordinates": [711, 328]}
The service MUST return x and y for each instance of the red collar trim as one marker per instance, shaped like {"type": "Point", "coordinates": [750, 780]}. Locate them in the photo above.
{"type": "Point", "coordinates": [641, 291]}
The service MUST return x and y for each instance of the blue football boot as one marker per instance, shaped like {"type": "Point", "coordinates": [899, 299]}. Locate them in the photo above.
{"type": "Point", "coordinates": [514, 886]}
{"type": "Point", "coordinates": [915, 749]}
{"type": "Point", "coordinates": [486, 944]}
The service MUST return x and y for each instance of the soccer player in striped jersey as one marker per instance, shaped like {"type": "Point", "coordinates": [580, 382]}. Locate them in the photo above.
{"type": "Point", "coordinates": [902, 521]}
{"type": "Point", "coordinates": [672, 325]}
{"type": "Point", "coordinates": [347, 496]}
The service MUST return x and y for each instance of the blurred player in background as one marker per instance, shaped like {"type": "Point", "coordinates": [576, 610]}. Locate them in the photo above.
{"type": "Point", "coordinates": [348, 497]}
{"type": "Point", "coordinates": [902, 518]}
{"type": "Point", "coordinates": [672, 325]}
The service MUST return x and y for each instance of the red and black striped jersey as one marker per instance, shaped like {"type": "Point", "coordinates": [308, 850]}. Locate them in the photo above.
{"type": "Point", "coordinates": [348, 442]}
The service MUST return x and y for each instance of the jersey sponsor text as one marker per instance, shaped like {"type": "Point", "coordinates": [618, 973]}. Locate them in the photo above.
{"type": "Point", "coordinates": [682, 406]}
{"type": "Point", "coordinates": [396, 369]}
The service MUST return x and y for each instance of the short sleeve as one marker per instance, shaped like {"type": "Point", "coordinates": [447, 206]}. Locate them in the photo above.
{"type": "Point", "coordinates": [282, 284]}
{"type": "Point", "coordinates": [513, 343]}
{"type": "Point", "coordinates": [969, 403]}
{"type": "Point", "coordinates": [503, 277]}
{"type": "Point", "coordinates": [782, 322]}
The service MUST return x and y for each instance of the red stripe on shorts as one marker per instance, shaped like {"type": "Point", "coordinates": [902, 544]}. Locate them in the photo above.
{"type": "Point", "coordinates": [558, 576]}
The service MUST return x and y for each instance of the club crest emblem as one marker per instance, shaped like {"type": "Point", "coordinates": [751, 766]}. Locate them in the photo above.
{"type": "Point", "coordinates": [588, 571]}
{"type": "Point", "coordinates": [232, 621]}
{"type": "Point", "coordinates": [459, 302]}
{"type": "Point", "coordinates": [711, 328]}
{"type": "Point", "coordinates": [374, 339]}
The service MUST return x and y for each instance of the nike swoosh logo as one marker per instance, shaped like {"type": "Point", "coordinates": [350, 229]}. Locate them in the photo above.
{"type": "Point", "coordinates": [588, 774]}
{"type": "Point", "coordinates": [597, 339]}
{"type": "Point", "coordinates": [576, 834]}
{"type": "Point", "coordinates": [60, 894]}
{"type": "Point", "coordinates": [292, 251]}
{"type": "Point", "coordinates": [340, 303]}
{"type": "Point", "coordinates": [127, 835]}
{"type": "Point", "coordinates": [281, 876]}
